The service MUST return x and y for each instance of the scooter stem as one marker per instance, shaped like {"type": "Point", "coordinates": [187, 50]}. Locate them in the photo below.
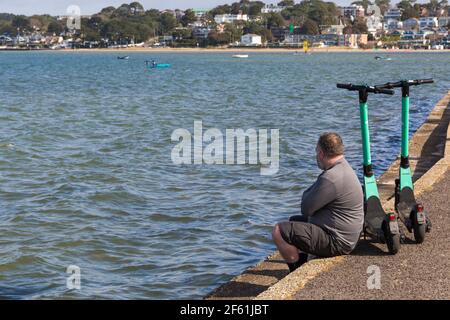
{"type": "Point", "coordinates": [405, 131]}
{"type": "Point", "coordinates": [405, 125]}
{"type": "Point", "coordinates": [365, 135]}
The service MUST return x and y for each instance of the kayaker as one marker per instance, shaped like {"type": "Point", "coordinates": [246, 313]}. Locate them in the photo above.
{"type": "Point", "coordinates": [332, 210]}
{"type": "Point", "coordinates": [154, 64]}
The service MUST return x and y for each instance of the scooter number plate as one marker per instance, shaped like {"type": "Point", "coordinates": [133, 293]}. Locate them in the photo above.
{"type": "Point", "coordinates": [393, 227]}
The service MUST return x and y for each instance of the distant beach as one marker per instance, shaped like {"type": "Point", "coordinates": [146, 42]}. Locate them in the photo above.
{"type": "Point", "coordinates": [246, 50]}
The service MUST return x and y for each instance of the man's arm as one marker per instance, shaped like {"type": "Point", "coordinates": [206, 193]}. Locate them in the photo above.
{"type": "Point", "coordinates": [321, 193]}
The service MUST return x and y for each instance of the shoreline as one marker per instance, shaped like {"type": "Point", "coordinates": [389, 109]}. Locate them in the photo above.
{"type": "Point", "coordinates": [232, 50]}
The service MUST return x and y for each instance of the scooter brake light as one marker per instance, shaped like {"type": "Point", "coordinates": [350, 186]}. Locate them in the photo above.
{"type": "Point", "coordinates": [419, 208]}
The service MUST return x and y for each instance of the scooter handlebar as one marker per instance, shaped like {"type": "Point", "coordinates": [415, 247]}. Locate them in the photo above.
{"type": "Point", "coordinates": [423, 81]}
{"type": "Point", "coordinates": [347, 86]}
{"type": "Point", "coordinates": [384, 91]}
{"type": "Point", "coordinates": [400, 84]}
{"type": "Point", "coordinates": [371, 89]}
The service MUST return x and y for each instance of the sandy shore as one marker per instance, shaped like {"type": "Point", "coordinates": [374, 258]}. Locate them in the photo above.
{"type": "Point", "coordinates": [256, 50]}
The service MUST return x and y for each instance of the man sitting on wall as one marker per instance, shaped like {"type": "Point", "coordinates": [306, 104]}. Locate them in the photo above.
{"type": "Point", "coordinates": [332, 210]}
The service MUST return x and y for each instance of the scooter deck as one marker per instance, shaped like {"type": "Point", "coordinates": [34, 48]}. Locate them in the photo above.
{"type": "Point", "coordinates": [406, 203]}
{"type": "Point", "coordinates": [374, 215]}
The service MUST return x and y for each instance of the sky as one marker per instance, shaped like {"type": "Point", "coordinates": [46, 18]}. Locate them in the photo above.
{"type": "Point", "coordinates": [59, 7]}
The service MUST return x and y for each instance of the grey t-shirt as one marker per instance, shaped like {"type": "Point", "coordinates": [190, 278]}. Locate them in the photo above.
{"type": "Point", "coordinates": [335, 203]}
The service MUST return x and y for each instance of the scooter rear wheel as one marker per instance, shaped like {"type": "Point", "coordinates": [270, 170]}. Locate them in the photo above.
{"type": "Point", "coordinates": [392, 240]}
{"type": "Point", "coordinates": [419, 231]}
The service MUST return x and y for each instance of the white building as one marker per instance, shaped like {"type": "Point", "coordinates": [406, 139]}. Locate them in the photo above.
{"type": "Point", "coordinates": [352, 11]}
{"type": "Point", "coordinates": [230, 18]}
{"type": "Point", "coordinates": [251, 40]}
{"type": "Point", "coordinates": [428, 22]}
{"type": "Point", "coordinates": [5, 40]}
{"type": "Point", "coordinates": [333, 29]}
{"type": "Point", "coordinates": [201, 32]}
{"type": "Point", "coordinates": [374, 24]}
{"type": "Point", "coordinates": [200, 12]}
{"type": "Point", "coordinates": [272, 8]}
{"type": "Point", "coordinates": [392, 24]}
{"type": "Point", "coordinates": [394, 14]}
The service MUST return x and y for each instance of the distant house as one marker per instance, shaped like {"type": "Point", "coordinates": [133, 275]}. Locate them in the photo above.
{"type": "Point", "coordinates": [200, 12]}
{"type": "Point", "coordinates": [394, 14]}
{"type": "Point", "coordinates": [411, 24]}
{"type": "Point", "coordinates": [65, 17]}
{"type": "Point", "coordinates": [354, 11]}
{"type": "Point", "coordinates": [412, 39]}
{"type": "Point", "coordinates": [428, 22]}
{"type": "Point", "coordinates": [251, 40]}
{"type": "Point", "coordinates": [201, 32]}
{"type": "Point", "coordinates": [279, 33]}
{"type": "Point", "coordinates": [337, 29]}
{"type": "Point", "coordinates": [20, 41]}
{"type": "Point", "coordinates": [5, 40]}
{"type": "Point", "coordinates": [392, 24]}
{"type": "Point", "coordinates": [230, 18]}
{"type": "Point", "coordinates": [374, 24]}
{"type": "Point", "coordinates": [271, 8]}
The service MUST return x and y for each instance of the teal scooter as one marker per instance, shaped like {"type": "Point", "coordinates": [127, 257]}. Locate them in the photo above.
{"type": "Point", "coordinates": [378, 224]}
{"type": "Point", "coordinates": [410, 212]}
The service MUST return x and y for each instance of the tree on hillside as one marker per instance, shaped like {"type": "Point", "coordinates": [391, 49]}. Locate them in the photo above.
{"type": "Point", "coordinates": [286, 3]}
{"type": "Point", "coordinates": [136, 8]}
{"type": "Point", "coordinates": [20, 22]}
{"type": "Point", "coordinates": [223, 9]}
{"type": "Point", "coordinates": [234, 32]}
{"type": "Point", "coordinates": [274, 20]}
{"type": "Point", "coordinates": [255, 8]}
{"type": "Point", "coordinates": [384, 5]}
{"type": "Point", "coordinates": [188, 18]}
{"type": "Point", "coordinates": [360, 26]}
{"type": "Point", "coordinates": [108, 11]}
{"type": "Point", "coordinates": [122, 11]}
{"type": "Point", "coordinates": [411, 12]}
{"type": "Point", "coordinates": [405, 4]}
{"type": "Point", "coordinates": [253, 27]}
{"type": "Point", "coordinates": [55, 27]}
{"type": "Point", "coordinates": [167, 22]}
{"type": "Point", "coordinates": [215, 38]}
{"type": "Point", "coordinates": [324, 13]}
{"type": "Point", "coordinates": [309, 27]}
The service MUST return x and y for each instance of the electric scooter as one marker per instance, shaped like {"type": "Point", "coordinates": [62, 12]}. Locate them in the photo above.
{"type": "Point", "coordinates": [378, 224]}
{"type": "Point", "coordinates": [410, 212]}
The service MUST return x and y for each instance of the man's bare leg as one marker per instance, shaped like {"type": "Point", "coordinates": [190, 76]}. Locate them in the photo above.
{"type": "Point", "coordinates": [287, 251]}
{"type": "Point", "coordinates": [293, 257]}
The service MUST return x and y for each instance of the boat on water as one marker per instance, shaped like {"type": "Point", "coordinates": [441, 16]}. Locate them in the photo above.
{"type": "Point", "coordinates": [123, 58]}
{"type": "Point", "coordinates": [154, 65]}
{"type": "Point", "coordinates": [161, 66]}
{"type": "Point", "coordinates": [240, 56]}
{"type": "Point", "coordinates": [383, 58]}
